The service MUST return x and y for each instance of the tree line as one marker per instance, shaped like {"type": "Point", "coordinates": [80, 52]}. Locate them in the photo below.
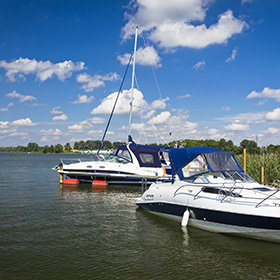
{"type": "Point", "coordinates": [222, 144]}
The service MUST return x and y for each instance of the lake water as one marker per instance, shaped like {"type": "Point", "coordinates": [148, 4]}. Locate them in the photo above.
{"type": "Point", "coordinates": [52, 233]}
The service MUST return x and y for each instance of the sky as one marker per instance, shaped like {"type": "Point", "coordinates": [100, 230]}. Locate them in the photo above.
{"type": "Point", "coordinates": [205, 69]}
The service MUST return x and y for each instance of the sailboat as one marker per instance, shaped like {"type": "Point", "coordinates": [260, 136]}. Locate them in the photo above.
{"type": "Point", "coordinates": [129, 164]}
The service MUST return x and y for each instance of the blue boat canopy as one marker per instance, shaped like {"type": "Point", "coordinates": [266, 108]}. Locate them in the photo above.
{"type": "Point", "coordinates": [147, 156]}
{"type": "Point", "coordinates": [187, 162]}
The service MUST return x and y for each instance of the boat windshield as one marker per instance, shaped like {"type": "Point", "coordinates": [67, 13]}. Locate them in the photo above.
{"type": "Point", "coordinates": [214, 168]}
{"type": "Point", "coordinates": [111, 158]}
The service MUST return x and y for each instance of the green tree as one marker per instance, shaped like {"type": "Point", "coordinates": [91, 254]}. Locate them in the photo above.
{"type": "Point", "coordinates": [67, 147]}
{"type": "Point", "coordinates": [58, 148]}
{"type": "Point", "coordinates": [32, 147]}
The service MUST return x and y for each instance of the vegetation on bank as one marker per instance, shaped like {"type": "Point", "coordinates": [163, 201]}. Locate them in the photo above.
{"type": "Point", "coordinates": [267, 157]}
{"type": "Point", "coordinates": [89, 145]}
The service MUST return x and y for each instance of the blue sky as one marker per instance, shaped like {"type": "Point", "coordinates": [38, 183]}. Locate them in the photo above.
{"type": "Point", "coordinates": [216, 65]}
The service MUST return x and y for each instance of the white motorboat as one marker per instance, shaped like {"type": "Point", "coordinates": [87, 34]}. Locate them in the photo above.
{"type": "Point", "coordinates": [210, 190]}
{"type": "Point", "coordinates": [128, 164]}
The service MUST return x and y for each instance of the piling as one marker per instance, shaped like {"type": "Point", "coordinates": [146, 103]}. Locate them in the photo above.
{"type": "Point", "coordinates": [244, 159]}
{"type": "Point", "coordinates": [262, 175]}
{"type": "Point", "coordinates": [60, 174]}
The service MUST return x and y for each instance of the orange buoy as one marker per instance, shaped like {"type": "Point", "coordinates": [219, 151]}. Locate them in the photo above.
{"type": "Point", "coordinates": [71, 183]}
{"type": "Point", "coordinates": [99, 185]}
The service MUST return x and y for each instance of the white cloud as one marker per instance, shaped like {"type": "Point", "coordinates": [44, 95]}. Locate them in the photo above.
{"type": "Point", "coordinates": [160, 119]}
{"type": "Point", "coordinates": [23, 122]}
{"type": "Point", "coordinates": [212, 131]}
{"type": "Point", "coordinates": [92, 82]}
{"type": "Point", "coordinates": [172, 34]}
{"type": "Point", "coordinates": [81, 126]}
{"type": "Point", "coordinates": [83, 99]}
{"type": "Point", "coordinates": [4, 124]}
{"type": "Point", "coordinates": [199, 64]}
{"type": "Point", "coordinates": [49, 138]}
{"type": "Point", "coordinates": [150, 14]}
{"type": "Point", "coordinates": [159, 104]}
{"type": "Point", "coordinates": [42, 69]}
{"type": "Point", "coordinates": [233, 56]}
{"type": "Point", "coordinates": [271, 130]}
{"type": "Point", "coordinates": [51, 132]}
{"type": "Point", "coordinates": [237, 126]}
{"type": "Point", "coordinates": [225, 109]}
{"type": "Point", "coordinates": [22, 98]}
{"type": "Point", "coordinates": [147, 57]}
{"type": "Point", "coordinates": [184, 96]}
{"type": "Point", "coordinates": [266, 93]}
{"type": "Point", "coordinates": [55, 110]}
{"type": "Point", "coordinates": [96, 120]}
{"type": "Point", "coordinates": [169, 23]}
{"type": "Point", "coordinates": [274, 115]}
{"type": "Point", "coordinates": [249, 118]}
{"type": "Point", "coordinates": [62, 117]}
{"type": "Point", "coordinates": [122, 107]}
{"type": "Point", "coordinates": [22, 134]}
{"type": "Point", "coordinates": [4, 109]}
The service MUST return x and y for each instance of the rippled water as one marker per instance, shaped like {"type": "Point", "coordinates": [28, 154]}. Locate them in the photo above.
{"type": "Point", "coordinates": [52, 233]}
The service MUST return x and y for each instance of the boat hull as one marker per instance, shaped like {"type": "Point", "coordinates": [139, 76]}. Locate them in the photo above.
{"type": "Point", "coordinates": [253, 226]}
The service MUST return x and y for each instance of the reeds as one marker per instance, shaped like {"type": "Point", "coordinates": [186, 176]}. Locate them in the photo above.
{"type": "Point", "coordinates": [270, 162]}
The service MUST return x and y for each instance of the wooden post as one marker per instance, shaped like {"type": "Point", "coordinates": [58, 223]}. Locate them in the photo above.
{"type": "Point", "coordinates": [244, 159]}
{"type": "Point", "coordinates": [60, 174]}
{"type": "Point", "coordinates": [262, 175]}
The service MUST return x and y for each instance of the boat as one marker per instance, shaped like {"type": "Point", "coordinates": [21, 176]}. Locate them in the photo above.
{"type": "Point", "coordinates": [210, 190]}
{"type": "Point", "coordinates": [128, 164]}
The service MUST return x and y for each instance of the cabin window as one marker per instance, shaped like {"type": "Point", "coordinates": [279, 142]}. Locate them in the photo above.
{"type": "Point", "coordinates": [124, 154]}
{"type": "Point", "coordinates": [196, 166]}
{"type": "Point", "coordinates": [146, 158]}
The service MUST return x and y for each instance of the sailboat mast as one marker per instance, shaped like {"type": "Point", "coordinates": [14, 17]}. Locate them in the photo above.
{"type": "Point", "coordinates": [132, 82]}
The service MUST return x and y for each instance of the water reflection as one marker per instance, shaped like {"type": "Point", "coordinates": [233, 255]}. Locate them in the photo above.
{"type": "Point", "coordinates": [80, 233]}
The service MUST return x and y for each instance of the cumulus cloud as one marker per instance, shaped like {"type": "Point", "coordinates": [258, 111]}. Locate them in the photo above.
{"type": "Point", "coordinates": [169, 23]}
{"type": "Point", "coordinates": [150, 14]}
{"type": "Point", "coordinates": [122, 107]}
{"type": "Point", "coordinates": [22, 98]}
{"type": "Point", "coordinates": [160, 118]}
{"type": "Point", "coordinates": [55, 110]}
{"type": "Point", "coordinates": [92, 82]}
{"type": "Point", "coordinates": [144, 56]}
{"type": "Point", "coordinates": [24, 122]}
{"type": "Point", "coordinates": [96, 120]}
{"type": "Point", "coordinates": [271, 130]}
{"type": "Point", "coordinates": [174, 34]}
{"type": "Point", "coordinates": [4, 109]}
{"type": "Point", "coordinates": [42, 69]}
{"type": "Point", "coordinates": [274, 115]}
{"type": "Point", "coordinates": [184, 96]}
{"type": "Point", "coordinates": [237, 126]}
{"type": "Point", "coordinates": [266, 93]}
{"type": "Point", "coordinates": [199, 64]}
{"type": "Point", "coordinates": [62, 117]}
{"type": "Point", "coordinates": [83, 99]}
{"type": "Point", "coordinates": [51, 131]}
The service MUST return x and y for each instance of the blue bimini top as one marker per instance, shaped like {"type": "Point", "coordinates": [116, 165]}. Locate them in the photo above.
{"type": "Point", "coordinates": [214, 160]}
